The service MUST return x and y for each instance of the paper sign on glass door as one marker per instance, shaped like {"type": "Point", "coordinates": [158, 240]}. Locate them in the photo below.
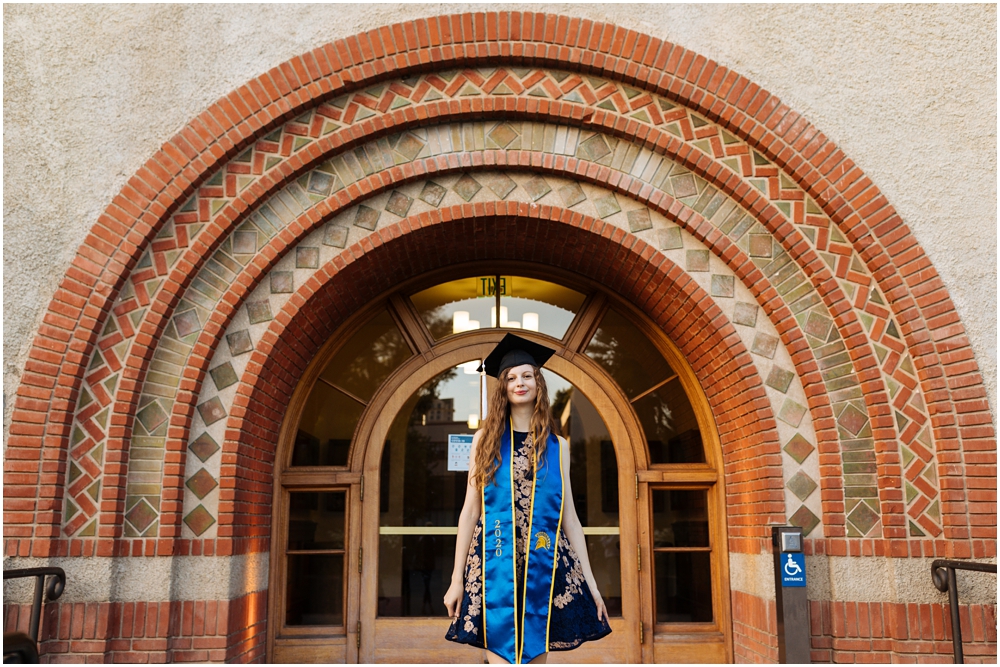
{"type": "Point", "coordinates": [459, 447]}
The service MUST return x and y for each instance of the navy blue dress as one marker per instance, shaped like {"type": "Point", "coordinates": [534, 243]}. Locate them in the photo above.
{"type": "Point", "coordinates": [573, 619]}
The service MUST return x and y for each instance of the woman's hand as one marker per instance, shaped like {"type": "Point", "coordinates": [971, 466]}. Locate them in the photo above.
{"type": "Point", "coordinates": [602, 609]}
{"type": "Point", "coordinates": [453, 599]}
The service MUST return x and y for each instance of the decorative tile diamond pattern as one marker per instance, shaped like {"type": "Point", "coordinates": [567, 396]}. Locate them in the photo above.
{"type": "Point", "coordinates": [141, 516]}
{"type": "Point", "coordinates": [203, 447]}
{"type": "Point", "coordinates": [199, 520]}
{"type": "Point", "coordinates": [201, 483]}
{"type": "Point", "coordinates": [804, 519]}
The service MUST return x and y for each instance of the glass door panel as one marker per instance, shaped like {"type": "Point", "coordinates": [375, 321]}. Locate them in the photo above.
{"type": "Point", "coordinates": [421, 495]}
{"type": "Point", "coordinates": [339, 396]}
{"type": "Point", "coordinates": [627, 355]}
{"type": "Point", "coordinates": [683, 587]}
{"type": "Point", "coordinates": [652, 386]}
{"type": "Point", "coordinates": [682, 556]}
{"type": "Point", "coordinates": [594, 478]}
{"type": "Point", "coordinates": [471, 303]}
{"type": "Point", "coordinates": [670, 426]}
{"type": "Point", "coordinates": [367, 358]}
{"type": "Point", "coordinates": [315, 559]}
{"type": "Point", "coordinates": [423, 489]}
{"type": "Point", "coordinates": [326, 427]}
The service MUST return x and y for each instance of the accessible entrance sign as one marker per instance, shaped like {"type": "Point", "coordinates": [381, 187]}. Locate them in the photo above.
{"type": "Point", "coordinates": [793, 570]}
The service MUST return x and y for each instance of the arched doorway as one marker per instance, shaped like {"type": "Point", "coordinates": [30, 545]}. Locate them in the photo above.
{"type": "Point", "coordinates": [366, 500]}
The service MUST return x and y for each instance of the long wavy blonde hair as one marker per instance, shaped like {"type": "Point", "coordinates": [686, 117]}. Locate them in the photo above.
{"type": "Point", "coordinates": [488, 450]}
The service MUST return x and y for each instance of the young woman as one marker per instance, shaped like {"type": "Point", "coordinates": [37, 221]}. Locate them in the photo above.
{"type": "Point", "coordinates": [522, 583]}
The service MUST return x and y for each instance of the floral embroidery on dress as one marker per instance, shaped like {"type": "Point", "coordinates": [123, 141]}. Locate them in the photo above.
{"type": "Point", "coordinates": [574, 576]}
{"type": "Point", "coordinates": [523, 477]}
{"type": "Point", "coordinates": [473, 584]}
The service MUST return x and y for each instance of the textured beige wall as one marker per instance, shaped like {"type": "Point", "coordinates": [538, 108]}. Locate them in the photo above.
{"type": "Point", "coordinates": [90, 92]}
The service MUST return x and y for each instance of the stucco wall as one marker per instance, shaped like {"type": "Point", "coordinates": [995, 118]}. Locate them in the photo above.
{"type": "Point", "coordinates": [90, 92]}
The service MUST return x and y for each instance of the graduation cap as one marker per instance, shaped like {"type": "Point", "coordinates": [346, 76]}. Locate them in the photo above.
{"type": "Point", "coordinates": [515, 351]}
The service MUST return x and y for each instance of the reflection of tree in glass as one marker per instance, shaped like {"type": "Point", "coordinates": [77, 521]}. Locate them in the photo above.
{"type": "Point", "coordinates": [559, 402]}
{"type": "Point", "coordinates": [438, 323]}
{"type": "Point", "coordinates": [424, 491]}
{"type": "Point", "coordinates": [629, 369]}
{"type": "Point", "coordinates": [625, 352]}
{"type": "Point", "coordinates": [368, 370]}
{"type": "Point", "coordinates": [625, 368]}
{"type": "Point", "coordinates": [661, 417]}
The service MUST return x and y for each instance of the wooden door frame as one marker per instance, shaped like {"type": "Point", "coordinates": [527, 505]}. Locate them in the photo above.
{"type": "Point", "coordinates": [430, 358]}
{"type": "Point", "coordinates": [413, 375]}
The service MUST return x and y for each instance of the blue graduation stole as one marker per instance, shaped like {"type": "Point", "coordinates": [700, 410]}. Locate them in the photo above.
{"type": "Point", "coordinates": [519, 635]}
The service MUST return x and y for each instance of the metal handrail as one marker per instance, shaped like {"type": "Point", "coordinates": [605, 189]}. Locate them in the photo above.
{"type": "Point", "coordinates": [943, 576]}
{"type": "Point", "coordinates": [55, 589]}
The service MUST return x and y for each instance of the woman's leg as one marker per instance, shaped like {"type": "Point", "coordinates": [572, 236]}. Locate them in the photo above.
{"type": "Point", "coordinates": [540, 660]}
{"type": "Point", "coordinates": [494, 659]}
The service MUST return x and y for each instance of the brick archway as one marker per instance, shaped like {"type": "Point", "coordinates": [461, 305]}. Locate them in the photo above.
{"type": "Point", "coordinates": [722, 96]}
{"type": "Point", "coordinates": [861, 259]}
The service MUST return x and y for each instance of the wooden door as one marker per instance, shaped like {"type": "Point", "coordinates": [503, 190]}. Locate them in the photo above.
{"type": "Point", "coordinates": [402, 614]}
{"type": "Point", "coordinates": [366, 510]}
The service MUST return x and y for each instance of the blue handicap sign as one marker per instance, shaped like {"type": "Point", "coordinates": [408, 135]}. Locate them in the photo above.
{"type": "Point", "coordinates": [793, 570]}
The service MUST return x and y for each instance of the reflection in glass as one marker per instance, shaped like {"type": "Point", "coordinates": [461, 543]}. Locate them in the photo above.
{"type": "Point", "coordinates": [316, 521]}
{"type": "Point", "coordinates": [470, 303]}
{"type": "Point", "coordinates": [594, 478]}
{"type": "Point", "coordinates": [326, 428]}
{"type": "Point", "coordinates": [422, 490]}
{"type": "Point", "coordinates": [538, 305]}
{"type": "Point", "coordinates": [367, 359]}
{"type": "Point", "coordinates": [315, 589]}
{"type": "Point", "coordinates": [593, 466]}
{"type": "Point", "coordinates": [680, 518]}
{"type": "Point", "coordinates": [335, 403]}
{"type": "Point", "coordinates": [418, 569]}
{"type": "Point", "coordinates": [670, 426]}
{"type": "Point", "coordinates": [605, 553]}
{"type": "Point", "coordinates": [683, 586]}
{"type": "Point", "coordinates": [663, 408]}
{"type": "Point", "coordinates": [627, 355]}
{"type": "Point", "coordinates": [421, 497]}
{"type": "Point", "coordinates": [454, 307]}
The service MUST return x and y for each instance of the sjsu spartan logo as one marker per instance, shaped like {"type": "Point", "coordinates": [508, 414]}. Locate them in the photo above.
{"type": "Point", "coordinates": [542, 540]}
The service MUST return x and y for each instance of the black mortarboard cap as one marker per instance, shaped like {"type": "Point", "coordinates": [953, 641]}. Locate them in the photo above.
{"type": "Point", "coordinates": [515, 351]}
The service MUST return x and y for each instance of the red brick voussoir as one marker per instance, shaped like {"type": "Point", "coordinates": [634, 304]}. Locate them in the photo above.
{"type": "Point", "coordinates": [48, 392]}
{"type": "Point", "coordinates": [559, 237]}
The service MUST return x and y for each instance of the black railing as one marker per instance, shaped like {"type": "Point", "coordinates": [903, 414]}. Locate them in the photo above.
{"type": "Point", "coordinates": [943, 575]}
{"type": "Point", "coordinates": [16, 646]}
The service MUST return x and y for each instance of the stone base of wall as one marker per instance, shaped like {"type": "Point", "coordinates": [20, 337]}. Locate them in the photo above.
{"type": "Point", "coordinates": [149, 632]}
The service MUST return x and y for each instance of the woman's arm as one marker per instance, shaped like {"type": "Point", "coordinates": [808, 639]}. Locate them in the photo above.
{"type": "Point", "coordinates": [574, 531]}
{"type": "Point", "coordinates": [471, 511]}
